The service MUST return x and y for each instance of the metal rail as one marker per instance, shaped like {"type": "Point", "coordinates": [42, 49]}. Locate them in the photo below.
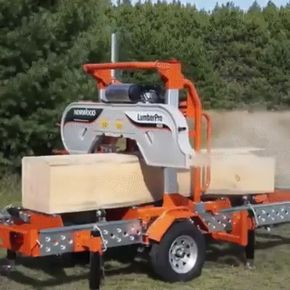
{"type": "Point", "coordinates": [264, 215]}
{"type": "Point", "coordinates": [57, 241]}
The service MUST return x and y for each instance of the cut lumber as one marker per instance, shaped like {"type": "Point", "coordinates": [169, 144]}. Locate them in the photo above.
{"type": "Point", "coordinates": [236, 150]}
{"type": "Point", "coordinates": [71, 183]}
{"type": "Point", "coordinates": [242, 174]}
{"type": "Point", "coordinates": [74, 183]}
{"type": "Point", "coordinates": [237, 174]}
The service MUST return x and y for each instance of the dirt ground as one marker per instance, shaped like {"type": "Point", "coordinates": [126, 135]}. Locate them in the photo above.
{"type": "Point", "coordinates": [224, 268]}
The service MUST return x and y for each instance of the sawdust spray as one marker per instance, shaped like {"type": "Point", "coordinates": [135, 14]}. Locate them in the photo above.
{"type": "Point", "coordinates": [269, 130]}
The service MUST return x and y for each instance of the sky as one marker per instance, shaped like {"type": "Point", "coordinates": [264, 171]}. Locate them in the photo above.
{"type": "Point", "coordinates": [244, 4]}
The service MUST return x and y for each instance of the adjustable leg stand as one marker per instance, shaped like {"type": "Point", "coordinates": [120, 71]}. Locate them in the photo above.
{"type": "Point", "coordinates": [9, 264]}
{"type": "Point", "coordinates": [250, 250]}
{"type": "Point", "coordinates": [96, 266]}
{"type": "Point", "coordinates": [96, 271]}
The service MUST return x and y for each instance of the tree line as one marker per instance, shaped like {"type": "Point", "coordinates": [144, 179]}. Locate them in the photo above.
{"type": "Point", "coordinates": [237, 59]}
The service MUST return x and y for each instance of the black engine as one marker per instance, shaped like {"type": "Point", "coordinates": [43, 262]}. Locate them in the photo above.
{"type": "Point", "coordinates": [133, 93]}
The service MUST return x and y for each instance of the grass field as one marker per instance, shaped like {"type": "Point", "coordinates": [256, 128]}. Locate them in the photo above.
{"type": "Point", "coordinates": [223, 269]}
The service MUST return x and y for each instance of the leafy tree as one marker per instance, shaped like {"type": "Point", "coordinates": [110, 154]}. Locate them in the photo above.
{"type": "Point", "coordinates": [41, 71]}
{"type": "Point", "coordinates": [236, 58]}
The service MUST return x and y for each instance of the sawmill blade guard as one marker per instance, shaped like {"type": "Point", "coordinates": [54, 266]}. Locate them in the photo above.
{"type": "Point", "coordinates": [160, 131]}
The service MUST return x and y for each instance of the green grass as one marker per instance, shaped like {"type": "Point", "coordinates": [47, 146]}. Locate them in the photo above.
{"type": "Point", "coordinates": [10, 190]}
{"type": "Point", "coordinates": [223, 269]}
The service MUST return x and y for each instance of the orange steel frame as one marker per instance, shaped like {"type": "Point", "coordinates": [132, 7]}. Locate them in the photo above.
{"type": "Point", "coordinates": [156, 219]}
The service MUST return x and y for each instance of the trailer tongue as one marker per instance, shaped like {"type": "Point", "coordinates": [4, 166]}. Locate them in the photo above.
{"type": "Point", "coordinates": [173, 230]}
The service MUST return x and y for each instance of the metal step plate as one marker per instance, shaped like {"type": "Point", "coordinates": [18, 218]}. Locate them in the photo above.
{"type": "Point", "coordinates": [58, 241]}
{"type": "Point", "coordinates": [270, 214]}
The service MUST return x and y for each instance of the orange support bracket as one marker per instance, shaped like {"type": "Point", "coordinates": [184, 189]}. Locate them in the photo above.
{"type": "Point", "coordinates": [241, 224]}
{"type": "Point", "coordinates": [194, 111]}
{"type": "Point", "coordinates": [170, 71]}
{"type": "Point", "coordinates": [207, 169]}
{"type": "Point", "coordinates": [20, 238]}
{"type": "Point", "coordinates": [85, 241]}
{"type": "Point", "coordinates": [160, 226]}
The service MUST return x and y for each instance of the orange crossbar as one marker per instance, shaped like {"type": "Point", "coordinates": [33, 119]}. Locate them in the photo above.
{"type": "Point", "coordinates": [170, 71]}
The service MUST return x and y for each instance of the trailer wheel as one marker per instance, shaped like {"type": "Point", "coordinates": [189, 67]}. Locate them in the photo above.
{"type": "Point", "coordinates": [180, 255]}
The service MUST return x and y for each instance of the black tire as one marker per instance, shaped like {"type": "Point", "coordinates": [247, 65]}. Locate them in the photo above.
{"type": "Point", "coordinates": [161, 253]}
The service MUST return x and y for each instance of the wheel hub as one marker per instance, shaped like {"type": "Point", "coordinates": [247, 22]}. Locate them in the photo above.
{"type": "Point", "coordinates": [180, 253]}
{"type": "Point", "coordinates": [183, 254]}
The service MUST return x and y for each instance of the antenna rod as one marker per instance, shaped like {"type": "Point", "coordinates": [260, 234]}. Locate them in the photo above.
{"type": "Point", "coordinates": [114, 52]}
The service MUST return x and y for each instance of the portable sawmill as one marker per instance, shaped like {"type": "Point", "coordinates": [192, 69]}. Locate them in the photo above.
{"type": "Point", "coordinates": [155, 123]}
